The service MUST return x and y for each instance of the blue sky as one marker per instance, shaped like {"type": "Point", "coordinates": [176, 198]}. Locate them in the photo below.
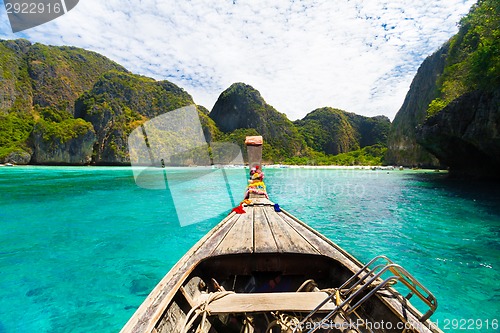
{"type": "Point", "coordinates": [359, 56]}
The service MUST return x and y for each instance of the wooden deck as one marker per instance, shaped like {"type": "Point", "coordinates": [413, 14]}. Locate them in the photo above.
{"type": "Point", "coordinates": [259, 230]}
{"type": "Point", "coordinates": [262, 230]}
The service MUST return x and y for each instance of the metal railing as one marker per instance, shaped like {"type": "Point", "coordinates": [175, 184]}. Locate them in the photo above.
{"type": "Point", "coordinates": [356, 286]}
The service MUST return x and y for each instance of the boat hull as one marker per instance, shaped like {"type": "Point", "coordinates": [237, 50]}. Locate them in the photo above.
{"type": "Point", "coordinates": [264, 252]}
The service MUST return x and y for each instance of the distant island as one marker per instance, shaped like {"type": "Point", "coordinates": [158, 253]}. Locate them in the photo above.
{"type": "Point", "coordinates": [70, 106]}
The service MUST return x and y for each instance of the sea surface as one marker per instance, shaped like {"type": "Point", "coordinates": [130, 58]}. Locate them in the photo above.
{"type": "Point", "coordinates": [81, 247]}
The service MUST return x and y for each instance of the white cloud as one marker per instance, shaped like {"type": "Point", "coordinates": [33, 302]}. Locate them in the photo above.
{"type": "Point", "coordinates": [356, 55]}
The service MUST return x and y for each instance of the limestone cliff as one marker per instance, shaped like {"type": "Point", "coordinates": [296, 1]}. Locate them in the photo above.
{"type": "Point", "coordinates": [465, 135]}
{"type": "Point", "coordinates": [454, 101]}
{"type": "Point", "coordinates": [59, 75]}
{"type": "Point", "coordinates": [242, 108]}
{"type": "Point", "coordinates": [74, 147]}
{"type": "Point", "coordinates": [119, 102]}
{"type": "Point", "coordinates": [403, 148]}
{"type": "Point", "coordinates": [56, 102]}
{"type": "Point", "coordinates": [39, 85]}
{"type": "Point", "coordinates": [335, 131]}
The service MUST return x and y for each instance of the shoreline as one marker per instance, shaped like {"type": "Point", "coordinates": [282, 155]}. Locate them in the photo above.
{"type": "Point", "coordinates": [264, 166]}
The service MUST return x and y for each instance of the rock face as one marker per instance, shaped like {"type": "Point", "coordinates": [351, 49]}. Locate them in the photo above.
{"type": "Point", "coordinates": [15, 85]}
{"type": "Point", "coordinates": [465, 135]}
{"type": "Point", "coordinates": [242, 107]}
{"type": "Point", "coordinates": [334, 131]}
{"type": "Point", "coordinates": [76, 150]}
{"type": "Point", "coordinates": [39, 85]}
{"type": "Point", "coordinates": [65, 105]}
{"type": "Point", "coordinates": [454, 101]}
{"type": "Point", "coordinates": [119, 102]}
{"type": "Point", "coordinates": [59, 75]}
{"type": "Point", "coordinates": [239, 106]}
{"type": "Point", "coordinates": [403, 148]}
{"type": "Point", "coordinates": [19, 157]}
{"type": "Point", "coordinates": [328, 130]}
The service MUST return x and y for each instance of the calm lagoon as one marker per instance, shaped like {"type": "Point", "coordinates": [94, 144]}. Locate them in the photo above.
{"type": "Point", "coordinates": [81, 247]}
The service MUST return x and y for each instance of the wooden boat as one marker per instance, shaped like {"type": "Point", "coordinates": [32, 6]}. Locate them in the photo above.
{"type": "Point", "coordinates": [266, 271]}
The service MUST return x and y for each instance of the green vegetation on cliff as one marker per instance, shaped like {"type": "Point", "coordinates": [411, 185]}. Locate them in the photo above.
{"type": "Point", "coordinates": [15, 130]}
{"type": "Point", "coordinates": [56, 102]}
{"type": "Point", "coordinates": [242, 107]}
{"type": "Point", "coordinates": [323, 133]}
{"type": "Point", "coordinates": [450, 114]}
{"type": "Point", "coordinates": [119, 102]}
{"type": "Point", "coordinates": [65, 105]}
{"type": "Point", "coordinates": [333, 131]}
{"type": "Point", "coordinates": [59, 75]}
{"type": "Point", "coordinates": [328, 130]}
{"type": "Point", "coordinates": [57, 126]}
{"type": "Point", "coordinates": [16, 118]}
{"type": "Point", "coordinates": [369, 155]}
{"type": "Point", "coordinates": [462, 126]}
{"type": "Point", "coordinates": [38, 87]}
{"type": "Point", "coordinates": [473, 61]}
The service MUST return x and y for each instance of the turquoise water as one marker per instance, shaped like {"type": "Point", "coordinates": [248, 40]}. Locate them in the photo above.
{"type": "Point", "coordinates": [80, 248]}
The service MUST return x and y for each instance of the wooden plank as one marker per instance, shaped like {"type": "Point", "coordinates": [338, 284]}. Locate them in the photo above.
{"type": "Point", "coordinates": [174, 317]}
{"type": "Point", "coordinates": [263, 236]}
{"type": "Point", "coordinates": [227, 231]}
{"type": "Point", "coordinates": [284, 241]}
{"type": "Point", "coordinates": [287, 238]}
{"type": "Point", "coordinates": [312, 238]}
{"type": "Point", "coordinates": [261, 201]}
{"type": "Point", "coordinates": [265, 302]}
{"type": "Point", "coordinates": [190, 290]}
{"type": "Point", "coordinates": [324, 245]}
{"type": "Point", "coordinates": [188, 297]}
{"type": "Point", "coordinates": [240, 238]}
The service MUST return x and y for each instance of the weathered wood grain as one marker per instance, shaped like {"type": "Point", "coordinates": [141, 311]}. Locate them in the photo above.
{"type": "Point", "coordinates": [288, 239]}
{"type": "Point", "coordinates": [264, 302]}
{"type": "Point", "coordinates": [264, 241]}
{"type": "Point", "coordinates": [240, 238]}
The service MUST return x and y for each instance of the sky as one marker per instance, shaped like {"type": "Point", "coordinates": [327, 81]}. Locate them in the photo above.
{"type": "Point", "coordinates": [358, 56]}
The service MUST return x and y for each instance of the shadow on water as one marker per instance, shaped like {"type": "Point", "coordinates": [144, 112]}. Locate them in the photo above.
{"type": "Point", "coordinates": [485, 193]}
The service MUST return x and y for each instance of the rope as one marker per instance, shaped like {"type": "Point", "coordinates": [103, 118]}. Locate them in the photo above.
{"type": "Point", "coordinates": [285, 323]}
{"type": "Point", "coordinates": [202, 309]}
{"type": "Point", "coordinates": [306, 282]}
